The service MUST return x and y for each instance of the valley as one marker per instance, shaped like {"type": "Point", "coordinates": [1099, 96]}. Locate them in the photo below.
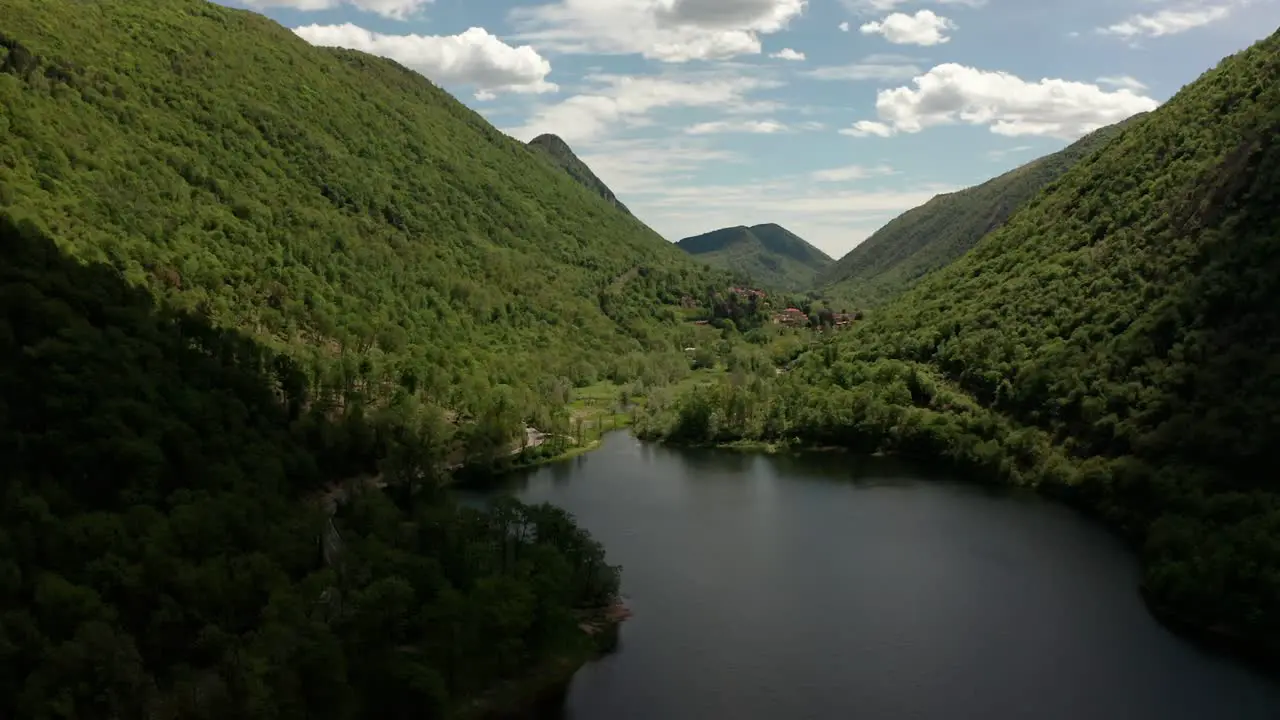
{"type": "Point", "coordinates": [263, 300]}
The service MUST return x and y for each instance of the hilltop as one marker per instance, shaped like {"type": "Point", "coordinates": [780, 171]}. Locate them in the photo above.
{"type": "Point", "coordinates": [769, 254]}
{"type": "Point", "coordinates": [1115, 343]}
{"type": "Point", "coordinates": [928, 237]}
{"type": "Point", "coordinates": [559, 153]}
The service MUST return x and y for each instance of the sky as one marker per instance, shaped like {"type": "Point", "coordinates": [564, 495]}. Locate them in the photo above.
{"type": "Point", "coordinates": [829, 117]}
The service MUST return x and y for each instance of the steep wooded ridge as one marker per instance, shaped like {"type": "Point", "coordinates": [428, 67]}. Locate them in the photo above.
{"type": "Point", "coordinates": [927, 237]}
{"type": "Point", "coordinates": [1116, 342]}
{"type": "Point", "coordinates": [234, 269]}
{"type": "Point", "coordinates": [772, 256]}
{"type": "Point", "coordinates": [326, 201]}
{"type": "Point", "coordinates": [559, 152]}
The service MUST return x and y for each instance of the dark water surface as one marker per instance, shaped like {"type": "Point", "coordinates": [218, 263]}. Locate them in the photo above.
{"type": "Point", "coordinates": [837, 587]}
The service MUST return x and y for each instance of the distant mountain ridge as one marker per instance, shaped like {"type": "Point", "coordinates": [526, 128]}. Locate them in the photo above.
{"type": "Point", "coordinates": [559, 153]}
{"type": "Point", "coordinates": [932, 235]}
{"type": "Point", "coordinates": [770, 254]}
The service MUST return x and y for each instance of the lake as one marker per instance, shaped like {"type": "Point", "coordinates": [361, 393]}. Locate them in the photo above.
{"type": "Point", "coordinates": [831, 586]}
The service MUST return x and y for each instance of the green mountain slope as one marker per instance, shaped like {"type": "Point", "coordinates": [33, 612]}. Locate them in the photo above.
{"type": "Point", "coordinates": [326, 201]}
{"type": "Point", "coordinates": [1116, 342]}
{"type": "Point", "coordinates": [238, 272]}
{"type": "Point", "coordinates": [559, 153]}
{"type": "Point", "coordinates": [932, 235]}
{"type": "Point", "coordinates": [771, 255]}
{"type": "Point", "coordinates": [158, 558]}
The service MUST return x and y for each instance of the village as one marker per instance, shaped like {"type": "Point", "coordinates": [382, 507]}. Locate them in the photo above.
{"type": "Point", "coordinates": [746, 303]}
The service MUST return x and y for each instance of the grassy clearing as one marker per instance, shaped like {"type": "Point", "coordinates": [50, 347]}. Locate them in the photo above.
{"type": "Point", "coordinates": [601, 408]}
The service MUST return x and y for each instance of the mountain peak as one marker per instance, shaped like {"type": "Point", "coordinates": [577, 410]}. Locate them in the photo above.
{"type": "Point", "coordinates": [772, 255]}
{"type": "Point", "coordinates": [551, 140]}
{"type": "Point", "coordinates": [555, 149]}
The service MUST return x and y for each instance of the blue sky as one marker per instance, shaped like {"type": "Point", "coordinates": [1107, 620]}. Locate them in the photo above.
{"type": "Point", "coordinates": [827, 116]}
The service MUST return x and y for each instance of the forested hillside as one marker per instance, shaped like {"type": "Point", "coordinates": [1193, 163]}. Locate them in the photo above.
{"type": "Point", "coordinates": [925, 238]}
{"type": "Point", "coordinates": [329, 203]}
{"type": "Point", "coordinates": [772, 256]}
{"type": "Point", "coordinates": [236, 271]}
{"type": "Point", "coordinates": [558, 152]}
{"type": "Point", "coordinates": [1117, 342]}
{"type": "Point", "coordinates": [158, 556]}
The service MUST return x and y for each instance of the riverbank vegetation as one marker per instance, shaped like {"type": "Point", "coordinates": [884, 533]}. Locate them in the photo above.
{"type": "Point", "coordinates": [1116, 341]}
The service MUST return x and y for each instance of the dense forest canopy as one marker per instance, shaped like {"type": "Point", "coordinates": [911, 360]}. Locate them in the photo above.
{"type": "Point", "coordinates": [928, 237]}
{"type": "Point", "coordinates": [329, 203]}
{"type": "Point", "coordinates": [238, 274]}
{"type": "Point", "coordinates": [163, 555]}
{"type": "Point", "coordinates": [1116, 342]}
{"type": "Point", "coordinates": [769, 254]}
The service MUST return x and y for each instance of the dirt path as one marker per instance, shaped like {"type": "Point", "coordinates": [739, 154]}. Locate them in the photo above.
{"type": "Point", "coordinates": [533, 437]}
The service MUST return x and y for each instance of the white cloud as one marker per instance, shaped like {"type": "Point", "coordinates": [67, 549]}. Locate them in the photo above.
{"type": "Point", "coordinates": [951, 93]}
{"type": "Point", "coordinates": [760, 127]}
{"type": "Point", "coordinates": [621, 100]}
{"type": "Point", "coordinates": [844, 26]}
{"type": "Point", "coordinates": [763, 15]}
{"type": "Point", "coordinates": [634, 167]}
{"type": "Point", "coordinates": [474, 57]}
{"type": "Point", "coordinates": [1167, 22]}
{"type": "Point", "coordinates": [867, 128]}
{"type": "Point", "coordinates": [1003, 153]}
{"type": "Point", "coordinates": [863, 7]}
{"type": "Point", "coordinates": [788, 54]}
{"type": "Point", "coordinates": [394, 9]}
{"type": "Point", "coordinates": [849, 173]}
{"type": "Point", "coordinates": [873, 67]}
{"type": "Point", "coordinates": [665, 30]}
{"type": "Point", "coordinates": [659, 179]}
{"type": "Point", "coordinates": [783, 195]}
{"type": "Point", "coordinates": [923, 28]}
{"type": "Point", "coordinates": [1122, 81]}
{"type": "Point", "coordinates": [835, 218]}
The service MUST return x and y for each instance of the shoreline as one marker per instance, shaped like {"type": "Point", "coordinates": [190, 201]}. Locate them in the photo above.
{"type": "Point", "coordinates": [572, 452]}
{"type": "Point", "coordinates": [546, 685]}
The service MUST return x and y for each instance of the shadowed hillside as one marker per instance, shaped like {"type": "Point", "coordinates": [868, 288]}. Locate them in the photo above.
{"type": "Point", "coordinates": [236, 269]}
{"type": "Point", "coordinates": [158, 557]}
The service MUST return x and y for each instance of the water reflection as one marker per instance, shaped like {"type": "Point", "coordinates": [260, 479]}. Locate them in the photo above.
{"type": "Point", "coordinates": [833, 586]}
